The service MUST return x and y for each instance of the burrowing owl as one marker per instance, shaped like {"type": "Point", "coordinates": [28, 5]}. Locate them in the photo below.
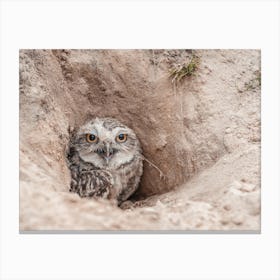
{"type": "Point", "coordinates": [105, 160]}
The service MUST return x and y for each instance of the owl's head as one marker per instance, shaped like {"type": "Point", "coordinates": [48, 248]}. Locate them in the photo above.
{"type": "Point", "coordinates": [106, 143]}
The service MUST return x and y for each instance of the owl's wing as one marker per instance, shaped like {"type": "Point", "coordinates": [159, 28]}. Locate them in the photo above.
{"type": "Point", "coordinates": [132, 185]}
{"type": "Point", "coordinates": [95, 183]}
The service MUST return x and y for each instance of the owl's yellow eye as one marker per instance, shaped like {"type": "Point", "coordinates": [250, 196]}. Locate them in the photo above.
{"type": "Point", "coordinates": [121, 138]}
{"type": "Point", "coordinates": [91, 138]}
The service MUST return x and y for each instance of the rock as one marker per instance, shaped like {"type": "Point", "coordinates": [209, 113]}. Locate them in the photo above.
{"type": "Point", "coordinates": [247, 187]}
{"type": "Point", "coordinates": [238, 219]}
{"type": "Point", "coordinates": [227, 207]}
{"type": "Point", "coordinates": [228, 130]}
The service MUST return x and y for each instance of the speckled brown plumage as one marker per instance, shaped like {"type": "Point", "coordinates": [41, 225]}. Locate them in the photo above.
{"type": "Point", "coordinates": [105, 160]}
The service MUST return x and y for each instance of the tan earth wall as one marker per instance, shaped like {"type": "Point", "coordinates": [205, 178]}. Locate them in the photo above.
{"type": "Point", "coordinates": [202, 132]}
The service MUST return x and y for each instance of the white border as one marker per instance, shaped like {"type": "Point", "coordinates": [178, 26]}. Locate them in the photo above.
{"type": "Point", "coordinates": [153, 24]}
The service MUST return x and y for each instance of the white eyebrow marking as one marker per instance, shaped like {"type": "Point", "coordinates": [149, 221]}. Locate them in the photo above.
{"type": "Point", "coordinates": [93, 131]}
{"type": "Point", "coordinates": [119, 130]}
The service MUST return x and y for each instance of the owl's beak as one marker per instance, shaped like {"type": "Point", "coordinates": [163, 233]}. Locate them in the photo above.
{"type": "Point", "coordinates": [106, 152]}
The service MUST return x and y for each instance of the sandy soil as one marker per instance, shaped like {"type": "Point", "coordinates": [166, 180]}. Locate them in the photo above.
{"type": "Point", "coordinates": [203, 133]}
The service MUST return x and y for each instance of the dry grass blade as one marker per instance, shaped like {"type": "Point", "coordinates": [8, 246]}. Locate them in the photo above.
{"type": "Point", "coordinates": [180, 71]}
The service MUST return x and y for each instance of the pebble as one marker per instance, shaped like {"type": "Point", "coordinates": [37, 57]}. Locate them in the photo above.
{"type": "Point", "coordinates": [151, 213]}
{"type": "Point", "coordinates": [199, 224]}
{"type": "Point", "coordinates": [228, 130]}
{"type": "Point", "coordinates": [247, 187]}
{"type": "Point", "coordinates": [235, 185]}
{"type": "Point", "coordinates": [160, 204]}
{"type": "Point", "coordinates": [224, 221]}
{"type": "Point", "coordinates": [227, 207]}
{"type": "Point", "coordinates": [238, 219]}
{"type": "Point", "coordinates": [174, 220]}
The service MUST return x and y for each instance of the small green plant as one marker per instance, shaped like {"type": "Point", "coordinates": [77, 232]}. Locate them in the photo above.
{"type": "Point", "coordinates": [179, 72]}
{"type": "Point", "coordinates": [259, 78]}
{"type": "Point", "coordinates": [255, 82]}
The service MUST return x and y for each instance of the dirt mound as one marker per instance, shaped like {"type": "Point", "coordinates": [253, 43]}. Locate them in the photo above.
{"type": "Point", "coordinates": [202, 132]}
